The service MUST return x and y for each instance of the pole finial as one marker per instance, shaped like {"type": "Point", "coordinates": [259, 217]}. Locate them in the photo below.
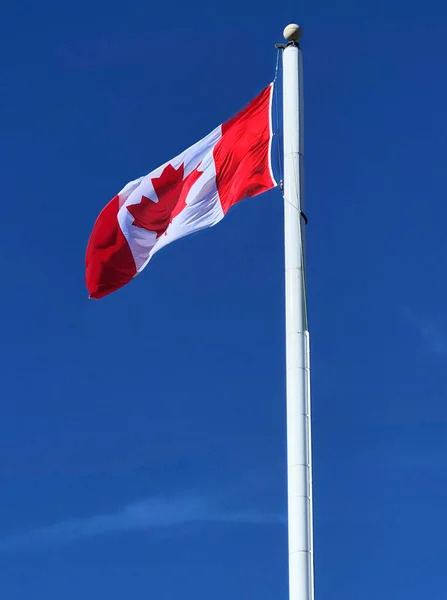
{"type": "Point", "coordinates": [292, 32]}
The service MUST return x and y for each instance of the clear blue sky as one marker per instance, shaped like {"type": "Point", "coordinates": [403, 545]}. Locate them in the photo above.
{"type": "Point", "coordinates": [142, 446]}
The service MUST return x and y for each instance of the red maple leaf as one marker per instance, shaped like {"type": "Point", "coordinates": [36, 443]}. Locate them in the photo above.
{"type": "Point", "coordinates": [172, 189]}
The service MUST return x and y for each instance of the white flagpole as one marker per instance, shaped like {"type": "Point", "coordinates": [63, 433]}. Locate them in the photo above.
{"type": "Point", "coordinates": [299, 467]}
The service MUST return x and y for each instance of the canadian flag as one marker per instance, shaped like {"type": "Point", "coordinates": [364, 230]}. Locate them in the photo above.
{"type": "Point", "coordinates": [193, 191]}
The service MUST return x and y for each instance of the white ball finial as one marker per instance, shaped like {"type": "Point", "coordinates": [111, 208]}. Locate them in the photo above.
{"type": "Point", "coordinates": [292, 32]}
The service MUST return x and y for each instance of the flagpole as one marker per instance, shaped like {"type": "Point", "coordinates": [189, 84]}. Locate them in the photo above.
{"type": "Point", "coordinates": [299, 468]}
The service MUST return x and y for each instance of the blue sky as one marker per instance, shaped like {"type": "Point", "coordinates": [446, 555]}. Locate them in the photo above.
{"type": "Point", "coordinates": [142, 448]}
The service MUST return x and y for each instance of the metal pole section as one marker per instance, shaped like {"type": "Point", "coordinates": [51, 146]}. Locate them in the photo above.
{"type": "Point", "coordinates": [299, 479]}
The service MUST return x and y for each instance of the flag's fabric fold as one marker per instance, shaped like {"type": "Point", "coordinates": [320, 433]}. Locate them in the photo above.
{"type": "Point", "coordinates": [191, 192]}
